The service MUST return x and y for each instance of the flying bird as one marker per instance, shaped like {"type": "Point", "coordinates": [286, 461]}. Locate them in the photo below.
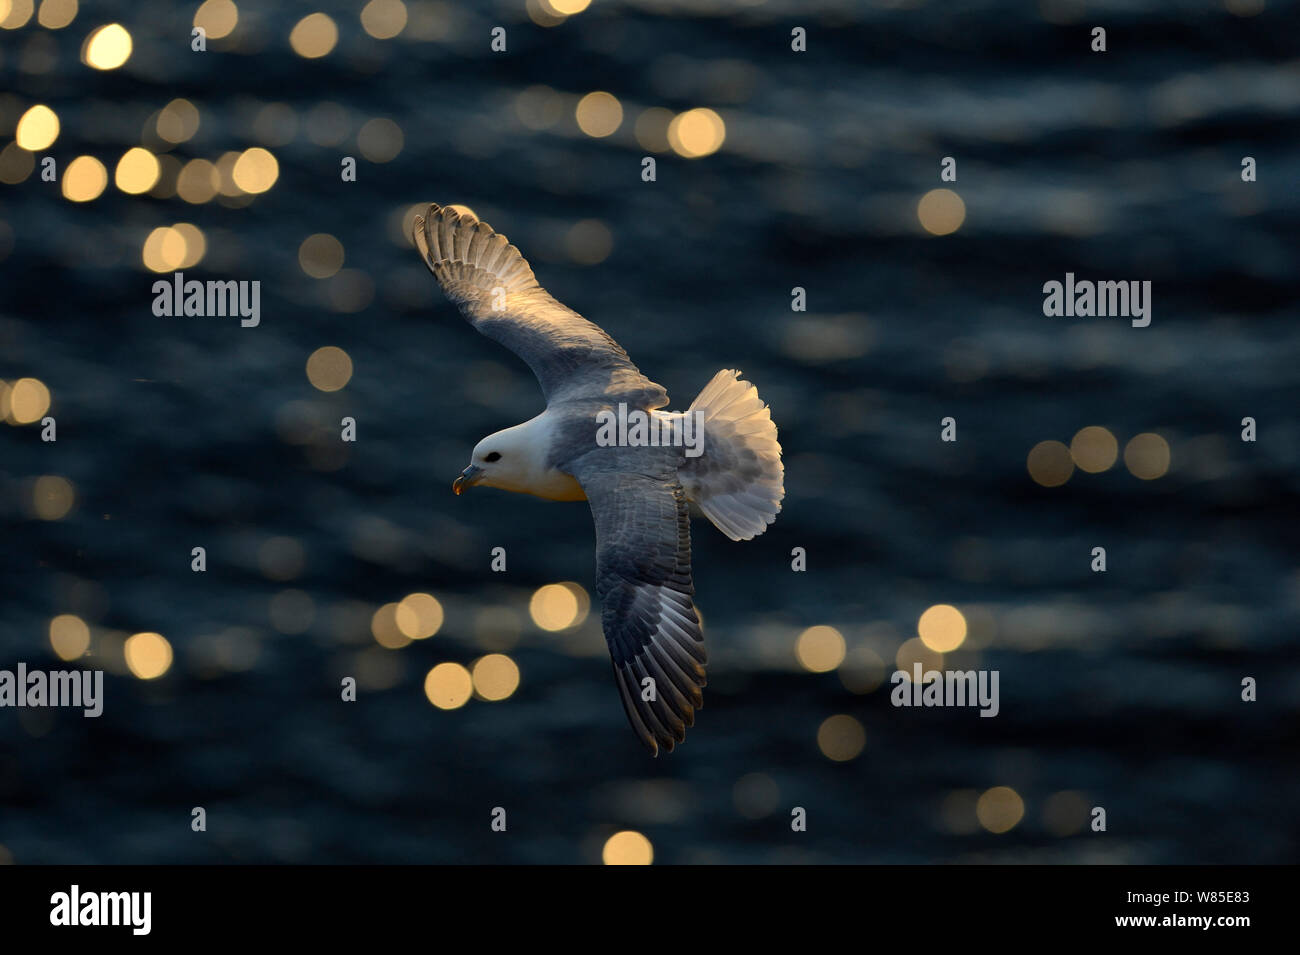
{"type": "Point", "coordinates": [637, 489]}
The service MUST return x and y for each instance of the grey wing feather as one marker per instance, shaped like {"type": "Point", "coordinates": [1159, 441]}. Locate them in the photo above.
{"type": "Point", "coordinates": [494, 287]}
{"type": "Point", "coordinates": [643, 579]}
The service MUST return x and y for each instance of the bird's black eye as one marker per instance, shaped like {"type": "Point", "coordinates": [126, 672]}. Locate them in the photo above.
{"type": "Point", "coordinates": [494, 456]}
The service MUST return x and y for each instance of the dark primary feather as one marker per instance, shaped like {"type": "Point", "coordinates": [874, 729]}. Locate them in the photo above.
{"type": "Point", "coordinates": [643, 579]}
{"type": "Point", "coordinates": [496, 290]}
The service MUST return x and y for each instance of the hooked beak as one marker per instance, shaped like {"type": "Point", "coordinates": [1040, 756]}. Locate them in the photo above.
{"type": "Point", "coordinates": [468, 478]}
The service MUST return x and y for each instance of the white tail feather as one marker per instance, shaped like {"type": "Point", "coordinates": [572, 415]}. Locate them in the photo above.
{"type": "Point", "coordinates": [739, 481]}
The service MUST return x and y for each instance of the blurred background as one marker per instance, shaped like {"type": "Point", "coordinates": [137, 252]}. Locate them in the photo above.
{"type": "Point", "coordinates": [774, 169]}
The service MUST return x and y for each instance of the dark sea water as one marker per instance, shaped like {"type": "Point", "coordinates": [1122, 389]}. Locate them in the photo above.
{"type": "Point", "coordinates": [1120, 689]}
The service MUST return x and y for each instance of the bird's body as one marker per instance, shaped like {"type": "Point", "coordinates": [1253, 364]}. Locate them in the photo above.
{"type": "Point", "coordinates": [543, 451]}
{"type": "Point", "coordinates": [637, 489]}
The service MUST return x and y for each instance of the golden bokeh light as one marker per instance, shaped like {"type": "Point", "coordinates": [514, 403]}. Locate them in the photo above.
{"type": "Point", "coordinates": [52, 497]}
{"type": "Point", "coordinates": [148, 655]}
{"type": "Point", "coordinates": [1000, 809]}
{"type": "Point", "coordinates": [328, 123]}
{"type": "Point", "coordinates": [541, 13]}
{"type": "Point", "coordinates": [198, 182]}
{"type": "Point", "coordinates": [942, 628]}
{"type": "Point", "coordinates": [419, 616]}
{"type": "Point", "coordinates": [196, 244]}
{"type": "Point", "coordinates": [107, 48]}
{"type": "Point", "coordinates": [164, 250]}
{"type": "Point", "coordinates": [37, 129]}
{"type": "Point", "coordinates": [276, 124]}
{"type": "Point", "coordinates": [108, 647]}
{"type": "Point", "coordinates": [1094, 449]}
{"type": "Point", "coordinates": [177, 122]}
{"type": "Point", "coordinates": [16, 164]}
{"type": "Point", "coordinates": [862, 670]}
{"type": "Point", "coordinates": [599, 114]}
{"type": "Point", "coordinates": [350, 291]}
{"type": "Point", "coordinates": [320, 255]}
{"type": "Point", "coordinates": [1244, 8]}
{"type": "Point", "coordinates": [589, 242]}
{"type": "Point", "coordinates": [137, 171]}
{"type": "Point", "coordinates": [627, 848]}
{"type": "Point", "coordinates": [69, 636]}
{"type": "Point", "coordinates": [914, 651]}
{"type": "Point", "coordinates": [314, 36]}
{"type": "Point", "coordinates": [539, 107]}
{"type": "Point", "coordinates": [384, 628]}
{"type": "Point", "coordinates": [383, 19]}
{"type": "Point", "coordinates": [841, 738]}
{"type": "Point", "coordinates": [1147, 456]}
{"type": "Point", "coordinates": [1066, 812]}
{"type": "Point", "coordinates": [380, 140]}
{"type": "Point", "coordinates": [29, 399]}
{"type": "Point", "coordinates": [169, 171]}
{"type": "Point", "coordinates": [14, 14]}
{"type": "Point", "coordinates": [556, 607]}
{"type": "Point", "coordinates": [218, 18]}
{"type": "Point", "coordinates": [1050, 463]}
{"type": "Point", "coordinates": [941, 211]}
{"type": "Point", "coordinates": [651, 129]}
{"type": "Point", "coordinates": [377, 670]}
{"type": "Point", "coordinates": [256, 170]}
{"type": "Point", "coordinates": [84, 179]}
{"type": "Point", "coordinates": [448, 686]}
{"type": "Point", "coordinates": [169, 248]}
{"type": "Point", "coordinates": [820, 649]}
{"type": "Point", "coordinates": [696, 133]}
{"type": "Point", "coordinates": [957, 812]}
{"type": "Point", "coordinates": [329, 368]}
{"type": "Point", "coordinates": [401, 226]}
{"type": "Point", "coordinates": [226, 184]}
{"type": "Point", "coordinates": [57, 14]}
{"type": "Point", "coordinates": [495, 676]}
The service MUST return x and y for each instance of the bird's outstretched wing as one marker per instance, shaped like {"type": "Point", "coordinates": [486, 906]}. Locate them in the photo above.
{"type": "Point", "coordinates": [496, 290]}
{"type": "Point", "coordinates": [643, 579]}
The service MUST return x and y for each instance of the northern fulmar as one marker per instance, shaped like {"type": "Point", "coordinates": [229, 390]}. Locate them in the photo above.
{"type": "Point", "coordinates": [722, 454]}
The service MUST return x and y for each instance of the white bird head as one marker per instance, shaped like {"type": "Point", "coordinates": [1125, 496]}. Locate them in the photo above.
{"type": "Point", "coordinates": [494, 463]}
{"type": "Point", "coordinates": [516, 460]}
